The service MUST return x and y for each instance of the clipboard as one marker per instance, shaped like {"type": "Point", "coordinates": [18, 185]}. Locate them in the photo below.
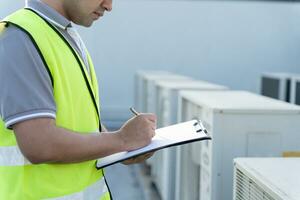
{"type": "Point", "coordinates": [174, 135]}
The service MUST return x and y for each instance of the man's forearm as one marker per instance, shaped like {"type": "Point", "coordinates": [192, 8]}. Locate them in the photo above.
{"type": "Point", "coordinates": [41, 141]}
{"type": "Point", "coordinates": [47, 143]}
{"type": "Point", "coordinates": [73, 147]}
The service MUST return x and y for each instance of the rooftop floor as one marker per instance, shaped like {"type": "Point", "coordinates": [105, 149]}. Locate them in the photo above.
{"type": "Point", "coordinates": [130, 182]}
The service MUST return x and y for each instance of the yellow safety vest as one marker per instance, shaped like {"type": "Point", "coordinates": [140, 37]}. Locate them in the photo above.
{"type": "Point", "coordinates": [76, 98]}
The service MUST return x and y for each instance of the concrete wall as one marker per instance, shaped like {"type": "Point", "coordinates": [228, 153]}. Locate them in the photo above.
{"type": "Point", "coordinates": [226, 42]}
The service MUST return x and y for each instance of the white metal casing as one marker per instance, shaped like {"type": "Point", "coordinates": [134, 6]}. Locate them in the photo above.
{"type": "Point", "coordinates": [166, 95]}
{"type": "Point", "coordinates": [266, 178]}
{"type": "Point", "coordinates": [241, 124]}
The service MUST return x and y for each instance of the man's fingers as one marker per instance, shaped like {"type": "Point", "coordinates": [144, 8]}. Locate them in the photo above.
{"type": "Point", "coordinates": [148, 155]}
{"type": "Point", "coordinates": [142, 158]}
{"type": "Point", "coordinates": [138, 159]}
{"type": "Point", "coordinates": [150, 117]}
{"type": "Point", "coordinates": [129, 161]}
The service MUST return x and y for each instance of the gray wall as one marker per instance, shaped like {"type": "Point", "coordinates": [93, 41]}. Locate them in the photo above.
{"type": "Point", "coordinates": [226, 42]}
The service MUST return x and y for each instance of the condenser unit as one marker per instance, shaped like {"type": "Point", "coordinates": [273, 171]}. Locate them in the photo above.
{"type": "Point", "coordinates": [295, 90]}
{"type": "Point", "coordinates": [276, 85]}
{"type": "Point", "coordinates": [266, 179]}
{"type": "Point", "coordinates": [166, 94]}
{"type": "Point", "coordinates": [241, 124]}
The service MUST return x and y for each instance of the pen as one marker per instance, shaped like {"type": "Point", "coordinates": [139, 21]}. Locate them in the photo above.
{"type": "Point", "coordinates": [134, 111]}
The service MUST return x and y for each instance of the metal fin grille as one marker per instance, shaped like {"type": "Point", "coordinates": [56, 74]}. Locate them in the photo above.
{"type": "Point", "coordinates": [247, 189]}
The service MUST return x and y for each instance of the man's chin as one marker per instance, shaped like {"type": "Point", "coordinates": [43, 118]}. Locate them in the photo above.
{"type": "Point", "coordinates": [88, 25]}
{"type": "Point", "coordinates": [85, 24]}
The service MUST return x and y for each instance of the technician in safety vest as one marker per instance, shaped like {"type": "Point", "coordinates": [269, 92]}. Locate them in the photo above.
{"type": "Point", "coordinates": [50, 129]}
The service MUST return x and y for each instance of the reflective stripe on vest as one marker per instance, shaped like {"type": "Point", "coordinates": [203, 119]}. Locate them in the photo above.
{"type": "Point", "coordinates": [12, 156]}
{"type": "Point", "coordinates": [91, 192]}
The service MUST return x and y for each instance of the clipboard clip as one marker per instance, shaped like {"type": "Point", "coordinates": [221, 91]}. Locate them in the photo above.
{"type": "Point", "coordinates": [199, 126]}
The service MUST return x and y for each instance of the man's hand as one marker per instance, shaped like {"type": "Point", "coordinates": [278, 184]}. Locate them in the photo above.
{"type": "Point", "coordinates": [138, 159]}
{"type": "Point", "coordinates": [138, 131]}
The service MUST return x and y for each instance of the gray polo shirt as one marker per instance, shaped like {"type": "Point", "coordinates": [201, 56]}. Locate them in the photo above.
{"type": "Point", "coordinates": [25, 86]}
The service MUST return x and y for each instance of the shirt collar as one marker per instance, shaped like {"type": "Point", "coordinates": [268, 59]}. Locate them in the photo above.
{"type": "Point", "coordinates": [49, 13]}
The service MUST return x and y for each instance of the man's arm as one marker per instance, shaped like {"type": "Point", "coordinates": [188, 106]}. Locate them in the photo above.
{"type": "Point", "coordinates": [41, 141]}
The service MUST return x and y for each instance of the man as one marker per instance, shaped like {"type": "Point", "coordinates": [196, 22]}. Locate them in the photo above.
{"type": "Point", "coordinates": [50, 130]}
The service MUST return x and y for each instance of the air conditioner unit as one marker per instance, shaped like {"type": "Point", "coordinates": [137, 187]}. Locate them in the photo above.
{"type": "Point", "coordinates": [266, 178]}
{"type": "Point", "coordinates": [295, 90]}
{"type": "Point", "coordinates": [276, 85]}
{"type": "Point", "coordinates": [242, 124]}
{"type": "Point", "coordinates": [166, 93]}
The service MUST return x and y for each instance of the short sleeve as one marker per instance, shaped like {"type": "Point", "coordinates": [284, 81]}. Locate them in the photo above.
{"type": "Point", "coordinates": [26, 90]}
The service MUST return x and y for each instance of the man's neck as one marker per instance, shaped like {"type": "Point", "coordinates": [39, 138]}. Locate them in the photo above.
{"type": "Point", "coordinates": [58, 6]}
